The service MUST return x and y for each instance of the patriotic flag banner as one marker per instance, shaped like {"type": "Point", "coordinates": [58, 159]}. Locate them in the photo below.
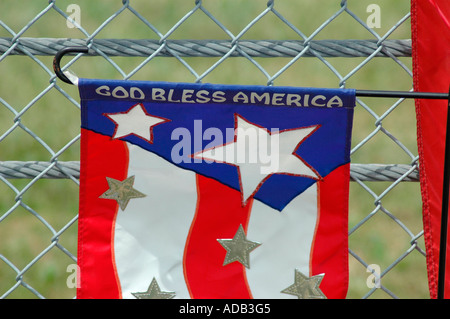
{"type": "Point", "coordinates": [213, 191]}
{"type": "Point", "coordinates": [431, 60]}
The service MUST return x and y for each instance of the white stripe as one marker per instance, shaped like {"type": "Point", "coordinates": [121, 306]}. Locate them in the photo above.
{"type": "Point", "coordinates": [286, 238]}
{"type": "Point", "coordinates": [150, 235]}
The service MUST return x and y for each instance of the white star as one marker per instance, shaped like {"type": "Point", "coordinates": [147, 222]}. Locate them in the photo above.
{"type": "Point", "coordinates": [258, 153]}
{"type": "Point", "coordinates": [135, 121]}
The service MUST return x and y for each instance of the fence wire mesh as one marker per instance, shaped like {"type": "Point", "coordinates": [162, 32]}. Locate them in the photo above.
{"type": "Point", "coordinates": [362, 44]}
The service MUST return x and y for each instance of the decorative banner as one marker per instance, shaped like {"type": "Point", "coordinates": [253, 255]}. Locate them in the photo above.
{"type": "Point", "coordinates": [431, 60]}
{"type": "Point", "coordinates": [213, 191]}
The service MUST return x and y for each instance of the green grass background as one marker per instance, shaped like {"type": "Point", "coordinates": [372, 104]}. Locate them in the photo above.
{"type": "Point", "coordinates": [56, 121]}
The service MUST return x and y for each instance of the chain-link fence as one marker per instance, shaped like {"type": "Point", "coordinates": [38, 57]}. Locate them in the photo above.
{"type": "Point", "coordinates": [320, 43]}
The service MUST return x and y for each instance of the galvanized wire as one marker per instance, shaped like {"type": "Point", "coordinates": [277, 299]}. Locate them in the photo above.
{"type": "Point", "coordinates": [211, 48]}
{"type": "Point", "coordinates": [58, 170]}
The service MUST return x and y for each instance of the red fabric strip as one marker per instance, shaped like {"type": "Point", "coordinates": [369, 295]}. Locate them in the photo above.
{"type": "Point", "coordinates": [330, 252]}
{"type": "Point", "coordinates": [218, 216]}
{"type": "Point", "coordinates": [98, 278]}
{"type": "Point", "coordinates": [431, 62]}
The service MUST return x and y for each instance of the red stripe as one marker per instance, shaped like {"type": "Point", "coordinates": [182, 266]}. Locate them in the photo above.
{"type": "Point", "coordinates": [218, 216]}
{"type": "Point", "coordinates": [98, 278]}
{"type": "Point", "coordinates": [330, 252]}
{"type": "Point", "coordinates": [431, 62]}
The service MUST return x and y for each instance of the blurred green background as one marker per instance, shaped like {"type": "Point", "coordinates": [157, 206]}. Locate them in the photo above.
{"type": "Point", "coordinates": [55, 120]}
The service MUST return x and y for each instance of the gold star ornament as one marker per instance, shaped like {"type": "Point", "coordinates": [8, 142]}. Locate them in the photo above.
{"type": "Point", "coordinates": [121, 191]}
{"type": "Point", "coordinates": [305, 287]}
{"type": "Point", "coordinates": [238, 248]}
{"type": "Point", "coordinates": [154, 292]}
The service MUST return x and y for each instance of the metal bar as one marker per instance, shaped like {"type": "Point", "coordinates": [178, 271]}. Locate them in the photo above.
{"type": "Point", "coordinates": [402, 94]}
{"type": "Point", "coordinates": [444, 212]}
{"type": "Point", "coordinates": [368, 93]}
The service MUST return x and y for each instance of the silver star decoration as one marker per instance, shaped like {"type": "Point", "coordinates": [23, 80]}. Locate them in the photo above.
{"type": "Point", "coordinates": [121, 191]}
{"type": "Point", "coordinates": [154, 292]}
{"type": "Point", "coordinates": [305, 287]}
{"type": "Point", "coordinates": [238, 248]}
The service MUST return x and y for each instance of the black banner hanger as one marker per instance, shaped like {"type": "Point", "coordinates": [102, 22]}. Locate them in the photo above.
{"type": "Point", "coordinates": [360, 93]}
